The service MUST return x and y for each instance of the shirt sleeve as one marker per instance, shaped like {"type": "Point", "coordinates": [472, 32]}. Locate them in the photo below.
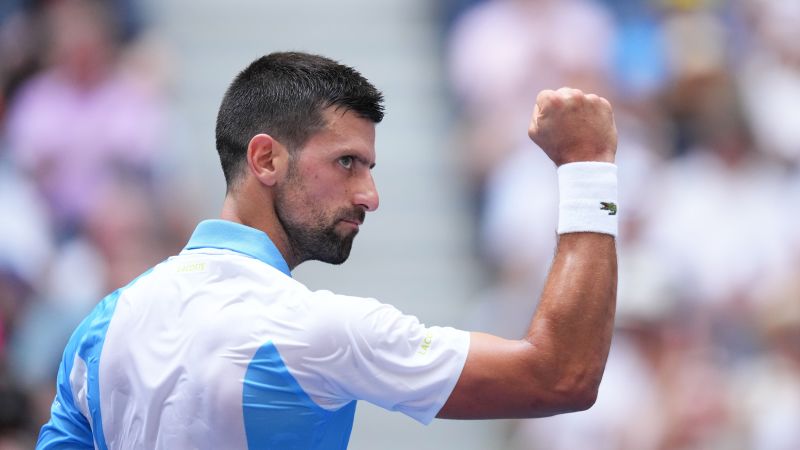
{"type": "Point", "coordinates": [67, 427]}
{"type": "Point", "coordinates": [362, 349]}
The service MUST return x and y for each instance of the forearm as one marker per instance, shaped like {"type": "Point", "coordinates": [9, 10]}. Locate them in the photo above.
{"type": "Point", "coordinates": [557, 367]}
{"type": "Point", "coordinates": [571, 330]}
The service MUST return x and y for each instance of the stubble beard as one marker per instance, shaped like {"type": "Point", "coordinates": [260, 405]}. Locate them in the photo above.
{"type": "Point", "coordinates": [312, 235]}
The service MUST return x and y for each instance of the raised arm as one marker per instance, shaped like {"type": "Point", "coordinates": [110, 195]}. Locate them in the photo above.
{"type": "Point", "coordinates": [558, 365]}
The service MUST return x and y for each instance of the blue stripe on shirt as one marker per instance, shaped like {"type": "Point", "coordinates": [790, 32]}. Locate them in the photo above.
{"type": "Point", "coordinates": [278, 414]}
{"type": "Point", "coordinates": [67, 427]}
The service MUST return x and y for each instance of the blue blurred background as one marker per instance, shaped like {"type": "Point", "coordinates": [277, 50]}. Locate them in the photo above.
{"type": "Point", "coordinates": [107, 161]}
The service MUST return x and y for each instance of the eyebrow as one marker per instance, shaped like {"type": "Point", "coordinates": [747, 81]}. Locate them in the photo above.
{"type": "Point", "coordinates": [364, 161]}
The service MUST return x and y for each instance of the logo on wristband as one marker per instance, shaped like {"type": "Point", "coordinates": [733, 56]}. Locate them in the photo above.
{"type": "Point", "coordinates": [611, 207]}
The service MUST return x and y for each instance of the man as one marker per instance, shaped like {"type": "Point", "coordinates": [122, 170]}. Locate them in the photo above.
{"type": "Point", "coordinates": [218, 347]}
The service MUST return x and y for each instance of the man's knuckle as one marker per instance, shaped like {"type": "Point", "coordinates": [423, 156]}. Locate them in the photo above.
{"type": "Point", "coordinates": [544, 95]}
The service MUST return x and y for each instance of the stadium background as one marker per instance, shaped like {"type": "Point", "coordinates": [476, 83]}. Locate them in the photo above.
{"type": "Point", "coordinates": [107, 162]}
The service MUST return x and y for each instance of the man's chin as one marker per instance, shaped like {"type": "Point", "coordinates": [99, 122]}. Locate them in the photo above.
{"type": "Point", "coordinates": [336, 260]}
{"type": "Point", "coordinates": [341, 253]}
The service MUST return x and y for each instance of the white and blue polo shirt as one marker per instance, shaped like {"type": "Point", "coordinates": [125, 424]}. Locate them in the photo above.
{"type": "Point", "coordinates": [218, 347]}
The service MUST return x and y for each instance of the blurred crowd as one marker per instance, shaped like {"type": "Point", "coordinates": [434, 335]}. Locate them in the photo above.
{"type": "Point", "coordinates": [707, 349]}
{"type": "Point", "coordinates": [85, 203]}
{"type": "Point", "coordinates": [706, 354]}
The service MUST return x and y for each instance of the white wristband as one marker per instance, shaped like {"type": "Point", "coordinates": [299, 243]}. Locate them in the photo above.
{"type": "Point", "coordinates": [588, 198]}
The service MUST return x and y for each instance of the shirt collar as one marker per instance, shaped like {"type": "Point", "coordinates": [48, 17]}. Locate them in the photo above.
{"type": "Point", "coordinates": [240, 238]}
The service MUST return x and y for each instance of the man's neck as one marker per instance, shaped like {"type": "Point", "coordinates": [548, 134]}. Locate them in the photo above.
{"type": "Point", "coordinates": [258, 212]}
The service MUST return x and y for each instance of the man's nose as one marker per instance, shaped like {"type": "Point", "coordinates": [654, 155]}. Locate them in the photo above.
{"type": "Point", "coordinates": [367, 195]}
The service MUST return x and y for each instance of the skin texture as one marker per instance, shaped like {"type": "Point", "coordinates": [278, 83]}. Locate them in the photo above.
{"type": "Point", "coordinates": [312, 203]}
{"type": "Point", "coordinates": [558, 365]}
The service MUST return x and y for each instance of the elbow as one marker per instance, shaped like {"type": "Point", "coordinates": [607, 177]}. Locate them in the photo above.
{"type": "Point", "coordinates": [577, 385]}
{"type": "Point", "coordinates": [582, 398]}
{"type": "Point", "coordinates": [561, 398]}
{"type": "Point", "coordinates": [576, 393]}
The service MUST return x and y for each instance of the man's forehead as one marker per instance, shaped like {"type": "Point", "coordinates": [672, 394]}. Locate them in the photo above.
{"type": "Point", "coordinates": [338, 116]}
{"type": "Point", "coordinates": [346, 130]}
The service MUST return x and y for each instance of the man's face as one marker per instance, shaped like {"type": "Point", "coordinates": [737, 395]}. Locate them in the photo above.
{"type": "Point", "coordinates": [329, 188]}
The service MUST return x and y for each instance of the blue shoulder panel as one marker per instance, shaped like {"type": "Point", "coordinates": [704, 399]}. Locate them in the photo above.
{"type": "Point", "coordinates": [67, 427]}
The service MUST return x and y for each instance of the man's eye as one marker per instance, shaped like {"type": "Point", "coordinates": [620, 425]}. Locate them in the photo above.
{"type": "Point", "coordinates": [346, 162]}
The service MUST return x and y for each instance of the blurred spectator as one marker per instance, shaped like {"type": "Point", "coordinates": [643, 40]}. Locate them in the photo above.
{"type": "Point", "coordinates": [25, 247]}
{"type": "Point", "coordinates": [81, 212]}
{"type": "Point", "coordinates": [768, 385]}
{"type": "Point", "coordinates": [83, 121]}
{"type": "Point", "coordinates": [639, 55]}
{"type": "Point", "coordinates": [770, 78]}
{"type": "Point", "coordinates": [719, 222]}
{"type": "Point", "coordinates": [19, 48]}
{"type": "Point", "coordinates": [125, 229]}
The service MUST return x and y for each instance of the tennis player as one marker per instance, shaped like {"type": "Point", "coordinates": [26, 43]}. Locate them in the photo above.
{"type": "Point", "coordinates": [219, 348]}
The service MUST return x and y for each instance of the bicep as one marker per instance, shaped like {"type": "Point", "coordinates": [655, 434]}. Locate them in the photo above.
{"type": "Point", "coordinates": [504, 378]}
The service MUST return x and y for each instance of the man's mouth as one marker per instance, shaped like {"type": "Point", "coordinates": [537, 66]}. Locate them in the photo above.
{"type": "Point", "coordinates": [354, 223]}
{"type": "Point", "coordinates": [357, 218]}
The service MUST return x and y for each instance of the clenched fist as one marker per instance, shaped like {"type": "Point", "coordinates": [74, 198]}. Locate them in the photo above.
{"type": "Point", "coordinates": [571, 126]}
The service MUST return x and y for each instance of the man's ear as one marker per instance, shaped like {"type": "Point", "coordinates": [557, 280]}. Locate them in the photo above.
{"type": "Point", "coordinates": [266, 158]}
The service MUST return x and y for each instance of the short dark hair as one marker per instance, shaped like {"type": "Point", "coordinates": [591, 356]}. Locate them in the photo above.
{"type": "Point", "coordinates": [283, 94]}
